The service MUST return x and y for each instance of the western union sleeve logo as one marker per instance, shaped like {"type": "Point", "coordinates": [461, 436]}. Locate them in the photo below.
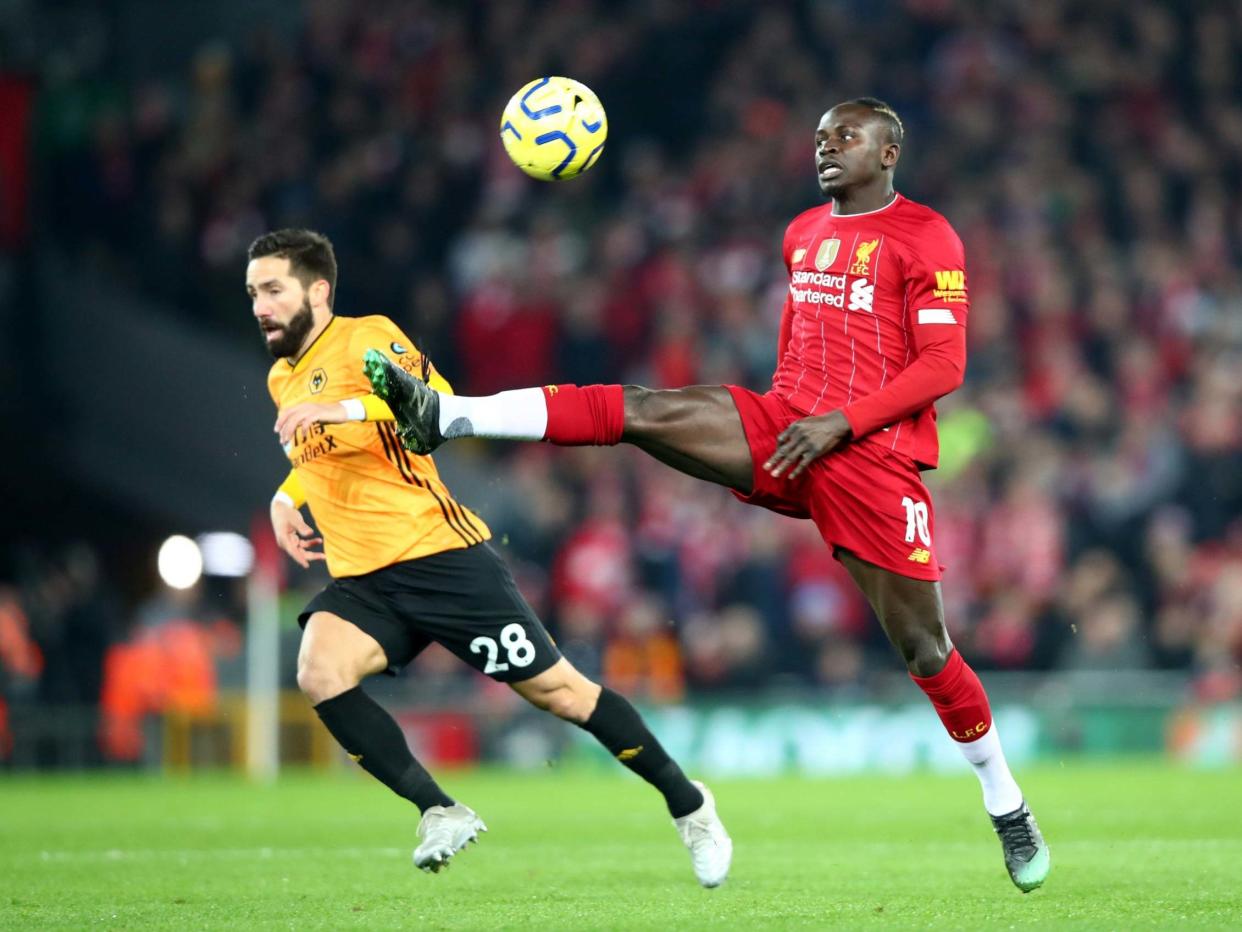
{"type": "Point", "coordinates": [952, 280]}
{"type": "Point", "coordinates": [951, 285]}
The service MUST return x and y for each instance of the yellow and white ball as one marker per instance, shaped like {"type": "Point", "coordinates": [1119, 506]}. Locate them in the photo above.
{"type": "Point", "coordinates": [554, 128]}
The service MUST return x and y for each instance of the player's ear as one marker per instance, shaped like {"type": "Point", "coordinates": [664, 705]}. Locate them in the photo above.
{"type": "Point", "coordinates": [319, 291]}
{"type": "Point", "coordinates": [890, 155]}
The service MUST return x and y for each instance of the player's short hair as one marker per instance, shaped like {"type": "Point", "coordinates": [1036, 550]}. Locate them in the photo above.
{"type": "Point", "coordinates": [310, 255]}
{"type": "Point", "coordinates": [896, 130]}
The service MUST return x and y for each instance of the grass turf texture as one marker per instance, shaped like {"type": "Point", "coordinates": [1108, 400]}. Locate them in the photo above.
{"type": "Point", "coordinates": [1137, 845]}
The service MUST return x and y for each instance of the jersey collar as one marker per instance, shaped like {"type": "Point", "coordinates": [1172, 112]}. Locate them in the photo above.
{"type": "Point", "coordinates": [310, 350]}
{"type": "Point", "coordinates": [867, 213]}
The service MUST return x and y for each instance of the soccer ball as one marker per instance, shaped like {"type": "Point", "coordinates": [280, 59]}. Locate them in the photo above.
{"type": "Point", "coordinates": [554, 128]}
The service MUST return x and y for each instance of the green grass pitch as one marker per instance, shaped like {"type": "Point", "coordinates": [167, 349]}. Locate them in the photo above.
{"type": "Point", "coordinates": [1134, 845]}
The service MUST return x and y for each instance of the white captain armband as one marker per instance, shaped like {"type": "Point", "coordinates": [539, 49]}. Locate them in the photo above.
{"type": "Point", "coordinates": [936, 315]}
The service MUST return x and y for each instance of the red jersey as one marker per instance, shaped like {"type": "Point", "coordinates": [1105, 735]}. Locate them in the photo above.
{"type": "Point", "coordinates": [874, 322]}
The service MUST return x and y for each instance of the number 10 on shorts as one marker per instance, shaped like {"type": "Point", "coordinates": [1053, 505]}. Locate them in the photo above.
{"type": "Point", "coordinates": [520, 651]}
{"type": "Point", "coordinates": [916, 521]}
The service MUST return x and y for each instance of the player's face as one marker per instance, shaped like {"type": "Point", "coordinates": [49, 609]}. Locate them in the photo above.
{"type": "Point", "coordinates": [851, 149]}
{"type": "Point", "coordinates": [280, 305]}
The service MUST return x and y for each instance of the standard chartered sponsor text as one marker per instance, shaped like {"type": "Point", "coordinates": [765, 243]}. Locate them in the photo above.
{"type": "Point", "coordinates": [812, 296]}
{"type": "Point", "coordinates": [823, 279]}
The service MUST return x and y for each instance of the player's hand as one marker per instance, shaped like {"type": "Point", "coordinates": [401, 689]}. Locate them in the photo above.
{"type": "Point", "coordinates": [806, 440]}
{"type": "Point", "coordinates": [303, 415]}
{"type": "Point", "coordinates": [294, 536]}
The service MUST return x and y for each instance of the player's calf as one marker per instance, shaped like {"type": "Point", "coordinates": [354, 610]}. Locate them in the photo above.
{"type": "Point", "coordinates": [334, 657]}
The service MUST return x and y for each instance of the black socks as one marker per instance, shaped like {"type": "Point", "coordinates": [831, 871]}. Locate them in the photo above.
{"type": "Point", "coordinates": [617, 726]}
{"type": "Point", "coordinates": [374, 740]}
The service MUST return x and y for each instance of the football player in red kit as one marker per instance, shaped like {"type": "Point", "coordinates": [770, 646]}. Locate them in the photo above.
{"type": "Point", "coordinates": [873, 332]}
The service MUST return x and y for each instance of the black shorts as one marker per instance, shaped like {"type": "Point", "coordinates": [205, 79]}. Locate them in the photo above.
{"type": "Point", "coordinates": [464, 599]}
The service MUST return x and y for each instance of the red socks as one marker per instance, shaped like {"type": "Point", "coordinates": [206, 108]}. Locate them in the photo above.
{"type": "Point", "coordinates": [587, 415]}
{"type": "Point", "coordinates": [959, 699]}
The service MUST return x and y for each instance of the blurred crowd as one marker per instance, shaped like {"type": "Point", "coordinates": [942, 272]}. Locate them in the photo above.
{"type": "Point", "coordinates": [1089, 507]}
{"type": "Point", "coordinates": [83, 677]}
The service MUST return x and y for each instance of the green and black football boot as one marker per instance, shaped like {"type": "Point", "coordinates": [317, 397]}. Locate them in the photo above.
{"type": "Point", "coordinates": [1026, 852]}
{"type": "Point", "coordinates": [415, 406]}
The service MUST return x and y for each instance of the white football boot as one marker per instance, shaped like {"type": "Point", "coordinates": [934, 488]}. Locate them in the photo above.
{"type": "Point", "coordinates": [444, 831]}
{"type": "Point", "coordinates": [711, 848]}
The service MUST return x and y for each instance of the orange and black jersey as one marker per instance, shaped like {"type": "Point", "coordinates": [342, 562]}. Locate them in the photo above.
{"type": "Point", "coordinates": [374, 502]}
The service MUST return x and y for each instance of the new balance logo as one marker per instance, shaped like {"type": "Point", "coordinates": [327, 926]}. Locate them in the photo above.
{"type": "Point", "coordinates": [862, 295]}
{"type": "Point", "coordinates": [920, 556]}
{"type": "Point", "coordinates": [630, 753]}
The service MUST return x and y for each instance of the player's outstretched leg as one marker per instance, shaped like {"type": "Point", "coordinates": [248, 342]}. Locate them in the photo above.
{"type": "Point", "coordinates": [912, 614]}
{"type": "Point", "coordinates": [696, 430]}
{"type": "Point", "coordinates": [334, 657]}
{"type": "Point", "coordinates": [616, 724]}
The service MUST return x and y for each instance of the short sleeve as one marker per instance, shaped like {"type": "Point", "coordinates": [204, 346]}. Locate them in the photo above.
{"type": "Point", "coordinates": [382, 334]}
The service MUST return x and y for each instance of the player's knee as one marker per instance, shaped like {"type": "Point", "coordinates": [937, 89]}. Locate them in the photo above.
{"type": "Point", "coordinates": [564, 702]}
{"type": "Point", "coordinates": [571, 705]}
{"type": "Point", "coordinates": [321, 678]}
{"type": "Point", "coordinates": [925, 653]}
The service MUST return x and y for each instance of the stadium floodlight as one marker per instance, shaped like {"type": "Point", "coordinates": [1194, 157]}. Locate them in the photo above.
{"type": "Point", "coordinates": [226, 553]}
{"type": "Point", "coordinates": [180, 562]}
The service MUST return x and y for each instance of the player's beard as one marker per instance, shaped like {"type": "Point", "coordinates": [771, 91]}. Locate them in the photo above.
{"type": "Point", "coordinates": [293, 333]}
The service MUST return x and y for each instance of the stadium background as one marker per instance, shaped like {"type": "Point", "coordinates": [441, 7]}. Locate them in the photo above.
{"type": "Point", "coordinates": [1090, 501]}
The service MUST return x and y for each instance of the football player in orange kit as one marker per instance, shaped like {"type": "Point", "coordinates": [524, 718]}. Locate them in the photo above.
{"type": "Point", "coordinates": [410, 564]}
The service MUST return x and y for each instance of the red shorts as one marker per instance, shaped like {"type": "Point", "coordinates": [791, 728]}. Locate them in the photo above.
{"type": "Point", "coordinates": [863, 498]}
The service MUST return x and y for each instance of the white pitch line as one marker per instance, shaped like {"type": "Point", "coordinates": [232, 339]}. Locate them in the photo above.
{"type": "Point", "coordinates": [265, 853]}
{"type": "Point", "coordinates": [139, 854]}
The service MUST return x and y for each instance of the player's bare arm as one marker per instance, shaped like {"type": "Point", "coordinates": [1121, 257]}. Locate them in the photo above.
{"type": "Point", "coordinates": [307, 414]}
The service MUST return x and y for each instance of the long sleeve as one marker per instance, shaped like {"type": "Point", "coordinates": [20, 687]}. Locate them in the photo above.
{"type": "Point", "coordinates": [782, 341]}
{"type": "Point", "coordinates": [938, 305]}
{"type": "Point", "coordinates": [937, 370]}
